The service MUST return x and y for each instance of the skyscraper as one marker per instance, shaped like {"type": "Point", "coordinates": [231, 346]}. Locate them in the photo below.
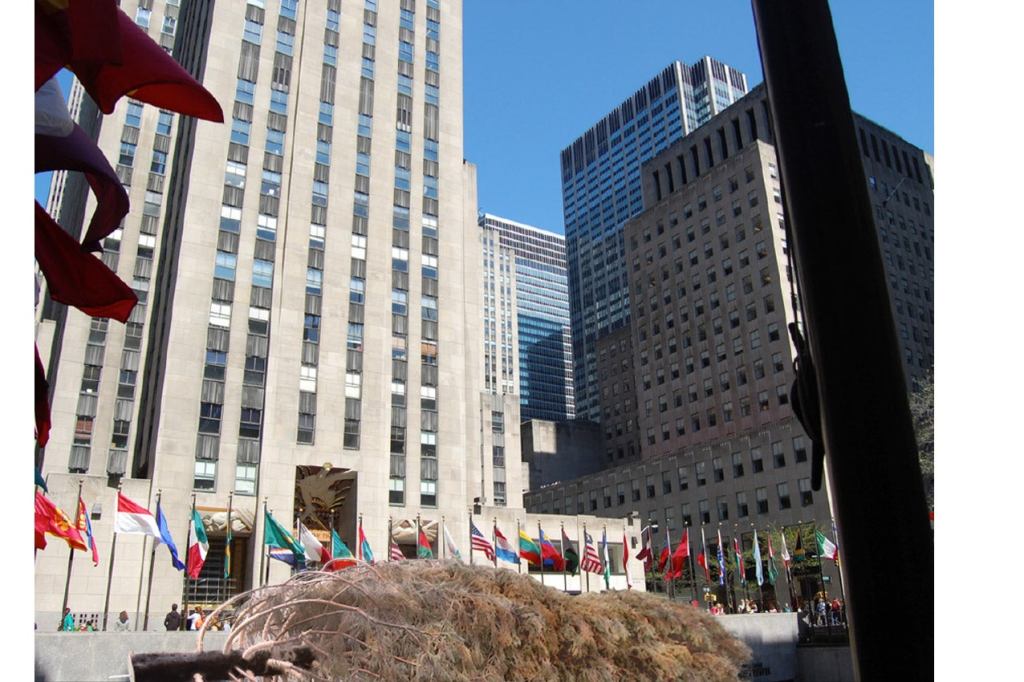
{"type": "Point", "coordinates": [541, 318]}
{"type": "Point", "coordinates": [601, 190]}
{"type": "Point", "coordinates": [309, 324]}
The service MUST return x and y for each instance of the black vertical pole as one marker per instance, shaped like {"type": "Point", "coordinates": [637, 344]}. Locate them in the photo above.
{"type": "Point", "coordinates": [71, 551]}
{"type": "Point", "coordinates": [263, 543]}
{"type": "Point", "coordinates": [470, 536]}
{"type": "Point", "coordinates": [874, 473]}
{"type": "Point", "coordinates": [188, 541]}
{"type": "Point", "coordinates": [149, 583]}
{"type": "Point", "coordinates": [110, 569]}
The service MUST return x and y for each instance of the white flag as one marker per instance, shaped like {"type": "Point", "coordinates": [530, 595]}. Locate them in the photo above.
{"type": "Point", "coordinates": [450, 544]}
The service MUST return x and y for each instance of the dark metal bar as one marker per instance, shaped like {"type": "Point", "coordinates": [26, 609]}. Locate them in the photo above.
{"type": "Point", "coordinates": [873, 469]}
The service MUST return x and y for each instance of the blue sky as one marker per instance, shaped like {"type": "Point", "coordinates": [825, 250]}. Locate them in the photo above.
{"type": "Point", "coordinates": [540, 72]}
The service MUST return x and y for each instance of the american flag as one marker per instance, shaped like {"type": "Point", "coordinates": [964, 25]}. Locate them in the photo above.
{"type": "Point", "coordinates": [396, 551]}
{"type": "Point", "coordinates": [480, 542]}
{"type": "Point", "coordinates": [591, 563]}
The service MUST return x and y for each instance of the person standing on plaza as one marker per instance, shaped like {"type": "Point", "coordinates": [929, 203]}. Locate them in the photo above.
{"type": "Point", "coordinates": [172, 621]}
{"type": "Point", "coordinates": [121, 624]}
{"type": "Point", "coordinates": [68, 623]}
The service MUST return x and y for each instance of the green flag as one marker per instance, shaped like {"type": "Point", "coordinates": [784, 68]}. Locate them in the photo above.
{"type": "Point", "coordinates": [339, 550]}
{"type": "Point", "coordinates": [572, 557]}
{"type": "Point", "coordinates": [773, 571]}
{"type": "Point", "coordinates": [274, 535]}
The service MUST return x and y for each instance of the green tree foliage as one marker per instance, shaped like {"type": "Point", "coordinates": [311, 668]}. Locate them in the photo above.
{"type": "Point", "coordinates": [922, 409]}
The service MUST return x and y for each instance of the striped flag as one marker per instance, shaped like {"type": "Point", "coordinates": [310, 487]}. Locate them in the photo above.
{"type": "Point", "coordinates": [773, 571]}
{"type": "Point", "coordinates": [395, 552]}
{"type": "Point", "coordinates": [644, 554]}
{"type": "Point", "coordinates": [313, 549]}
{"type": "Point", "coordinates": [721, 560]}
{"type": "Point", "coordinates": [785, 552]}
{"type": "Point", "coordinates": [85, 530]}
{"type": "Point", "coordinates": [757, 561]}
{"type": "Point", "coordinates": [133, 518]}
{"type": "Point", "coordinates": [591, 563]}
{"type": "Point", "coordinates": [826, 548]}
{"type": "Point", "coordinates": [503, 548]}
{"type": "Point", "coordinates": [365, 553]}
{"type": "Point", "coordinates": [607, 561]}
{"type": "Point", "coordinates": [197, 550]}
{"type": "Point", "coordinates": [480, 542]}
{"type": "Point", "coordinates": [741, 567]}
{"type": "Point", "coordinates": [528, 549]}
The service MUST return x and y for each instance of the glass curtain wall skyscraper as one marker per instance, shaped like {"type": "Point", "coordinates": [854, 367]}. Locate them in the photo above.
{"type": "Point", "coordinates": [542, 318]}
{"type": "Point", "coordinates": [601, 190]}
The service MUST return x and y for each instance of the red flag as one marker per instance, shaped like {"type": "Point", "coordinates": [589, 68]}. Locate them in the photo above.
{"type": "Point", "coordinates": [702, 558]}
{"type": "Point", "coordinates": [42, 406]}
{"type": "Point", "coordinates": [644, 554]}
{"type": "Point", "coordinates": [679, 556]}
{"type": "Point", "coordinates": [76, 278]}
{"type": "Point", "coordinates": [50, 519]}
{"type": "Point", "coordinates": [142, 70]}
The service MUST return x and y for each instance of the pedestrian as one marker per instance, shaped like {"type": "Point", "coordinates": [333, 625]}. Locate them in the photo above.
{"type": "Point", "coordinates": [199, 618]}
{"type": "Point", "coordinates": [172, 621]}
{"type": "Point", "coordinates": [121, 624]}
{"type": "Point", "coordinates": [836, 608]}
{"type": "Point", "coordinates": [67, 624]}
{"type": "Point", "coordinates": [822, 609]}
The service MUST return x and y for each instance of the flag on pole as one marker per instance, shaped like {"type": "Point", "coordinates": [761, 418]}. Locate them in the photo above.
{"type": "Point", "coordinates": [449, 544]}
{"type": "Point", "coordinates": [741, 567]}
{"type": "Point", "coordinates": [227, 545]}
{"type": "Point", "coordinates": [503, 548]}
{"type": "Point", "coordinates": [275, 536]}
{"type": "Point", "coordinates": [198, 549]}
{"type": "Point", "coordinates": [666, 552]}
{"type": "Point", "coordinates": [341, 556]}
{"type": "Point", "coordinates": [528, 549]}
{"type": "Point", "coordinates": [85, 530]}
{"type": "Point", "coordinates": [50, 519]}
{"type": "Point", "coordinates": [283, 554]}
{"type": "Point", "coordinates": [314, 551]}
{"type": "Point", "coordinates": [758, 571]}
{"type": "Point", "coordinates": [572, 557]}
{"type": "Point", "coordinates": [625, 559]}
{"type": "Point", "coordinates": [365, 553]}
{"type": "Point", "coordinates": [552, 559]}
{"type": "Point", "coordinates": [394, 551]}
{"type": "Point", "coordinates": [423, 550]}
{"type": "Point", "coordinates": [132, 518]}
{"type": "Point", "coordinates": [721, 560]}
{"type": "Point", "coordinates": [785, 552]}
{"type": "Point", "coordinates": [165, 537]}
{"type": "Point", "coordinates": [645, 554]}
{"type": "Point", "coordinates": [680, 555]}
{"type": "Point", "coordinates": [826, 548]}
{"type": "Point", "coordinates": [480, 542]}
{"type": "Point", "coordinates": [799, 553]}
{"type": "Point", "coordinates": [773, 571]}
{"type": "Point", "coordinates": [590, 563]}
{"type": "Point", "coordinates": [606, 560]}
{"type": "Point", "coordinates": [702, 558]}
{"type": "Point", "coordinates": [339, 549]}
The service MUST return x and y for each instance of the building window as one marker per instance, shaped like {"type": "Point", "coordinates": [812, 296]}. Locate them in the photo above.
{"type": "Point", "coordinates": [650, 487]}
{"type": "Point", "coordinates": [666, 483]}
{"type": "Point", "coordinates": [761, 495]}
{"type": "Point", "coordinates": [703, 511]}
{"type": "Point", "coordinates": [742, 510]}
{"type": "Point", "coordinates": [701, 477]}
{"type": "Point", "coordinates": [798, 449]}
{"type": "Point", "coordinates": [396, 491]}
{"type": "Point", "coordinates": [806, 496]}
{"type": "Point", "coordinates": [205, 476]}
{"type": "Point", "coordinates": [636, 491]}
{"type": "Point", "coordinates": [245, 479]}
{"type": "Point", "coordinates": [737, 465]}
{"type": "Point", "coordinates": [718, 471]}
{"type": "Point", "coordinates": [783, 489]}
{"type": "Point", "coordinates": [723, 509]}
{"type": "Point", "coordinates": [778, 454]}
{"type": "Point", "coordinates": [683, 475]}
{"type": "Point", "coordinates": [620, 493]}
{"type": "Point", "coordinates": [756, 463]}
{"type": "Point", "coordinates": [687, 518]}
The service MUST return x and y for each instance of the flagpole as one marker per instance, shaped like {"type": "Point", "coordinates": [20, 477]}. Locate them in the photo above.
{"type": "Point", "coordinates": [839, 569]}
{"type": "Point", "coordinates": [741, 563]}
{"type": "Point", "coordinates": [188, 542]}
{"type": "Point", "coordinates": [71, 550]}
{"type": "Point", "coordinates": [391, 538]}
{"type": "Point", "coordinates": [263, 549]}
{"type": "Point", "coordinates": [519, 564]}
{"type": "Point", "coordinates": [149, 583]}
{"type": "Point", "coordinates": [693, 571]}
{"type": "Point", "coordinates": [442, 542]}
{"type": "Point", "coordinates": [227, 545]}
{"type": "Point", "coordinates": [110, 570]}
{"type": "Point", "coordinates": [470, 536]}
{"type": "Point", "coordinates": [359, 538]}
{"type": "Point", "coordinates": [759, 570]}
{"type": "Point", "coordinates": [540, 546]}
{"type": "Point", "coordinates": [419, 531]}
{"type": "Point", "coordinates": [266, 547]}
{"type": "Point", "coordinates": [565, 580]}
{"type": "Point", "coordinates": [494, 540]}
{"type": "Point", "coordinates": [585, 548]}
{"type": "Point", "coordinates": [789, 575]}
